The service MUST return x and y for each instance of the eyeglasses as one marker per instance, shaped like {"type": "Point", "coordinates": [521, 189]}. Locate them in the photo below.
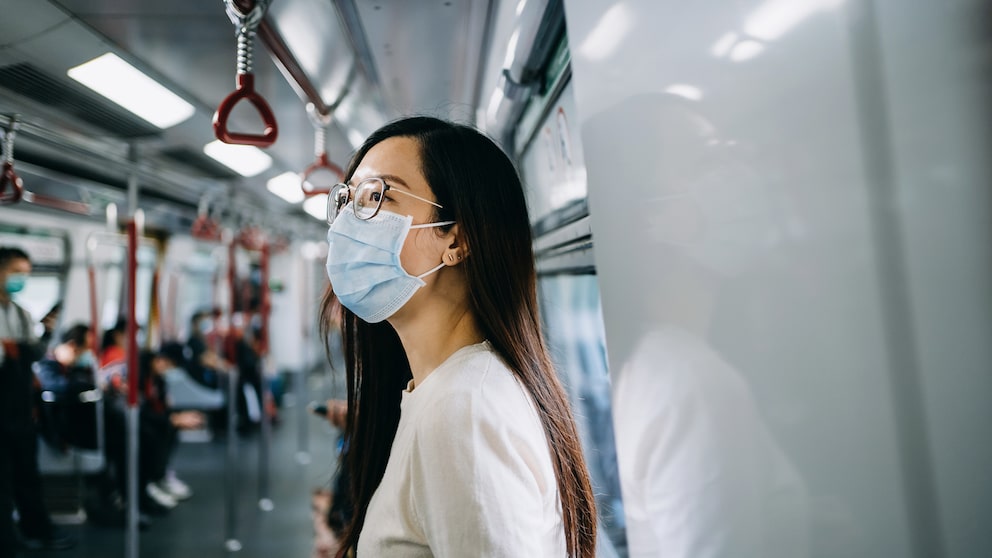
{"type": "Point", "coordinates": [367, 197]}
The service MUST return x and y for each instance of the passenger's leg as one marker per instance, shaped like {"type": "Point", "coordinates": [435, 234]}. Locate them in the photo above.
{"type": "Point", "coordinates": [35, 522]}
{"type": "Point", "coordinates": [8, 540]}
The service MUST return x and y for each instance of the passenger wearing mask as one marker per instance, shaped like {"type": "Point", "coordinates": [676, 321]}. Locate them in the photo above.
{"type": "Point", "coordinates": [204, 364]}
{"type": "Point", "coordinates": [69, 371]}
{"type": "Point", "coordinates": [460, 438]}
{"type": "Point", "coordinates": [20, 481]}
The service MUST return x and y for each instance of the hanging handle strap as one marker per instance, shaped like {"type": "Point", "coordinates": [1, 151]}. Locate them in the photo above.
{"type": "Point", "coordinates": [322, 162]}
{"type": "Point", "coordinates": [245, 88]}
{"type": "Point", "coordinates": [11, 186]}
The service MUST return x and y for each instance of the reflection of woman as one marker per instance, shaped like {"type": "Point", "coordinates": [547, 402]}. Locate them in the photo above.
{"type": "Point", "coordinates": [430, 254]}
{"type": "Point", "coordinates": [701, 474]}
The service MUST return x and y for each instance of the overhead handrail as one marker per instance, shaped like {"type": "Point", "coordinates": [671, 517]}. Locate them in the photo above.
{"type": "Point", "coordinates": [8, 178]}
{"type": "Point", "coordinates": [246, 23]}
{"type": "Point", "coordinates": [321, 123]}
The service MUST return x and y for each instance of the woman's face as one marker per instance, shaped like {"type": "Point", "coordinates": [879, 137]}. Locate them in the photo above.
{"type": "Point", "coordinates": [397, 161]}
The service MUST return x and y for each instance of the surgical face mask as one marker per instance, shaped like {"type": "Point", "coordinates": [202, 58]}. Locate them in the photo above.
{"type": "Point", "coordinates": [363, 263]}
{"type": "Point", "coordinates": [15, 282]}
{"type": "Point", "coordinates": [85, 360]}
{"type": "Point", "coordinates": [206, 326]}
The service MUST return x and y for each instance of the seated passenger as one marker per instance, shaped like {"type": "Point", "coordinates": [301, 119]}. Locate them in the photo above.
{"type": "Point", "coordinates": [203, 362]}
{"type": "Point", "coordinates": [66, 373]}
{"type": "Point", "coordinates": [157, 417]}
{"type": "Point", "coordinates": [157, 428]}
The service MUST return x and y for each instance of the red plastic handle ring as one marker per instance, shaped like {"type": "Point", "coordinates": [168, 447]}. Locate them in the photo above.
{"type": "Point", "coordinates": [245, 90]}
{"type": "Point", "coordinates": [9, 178]}
{"type": "Point", "coordinates": [322, 163]}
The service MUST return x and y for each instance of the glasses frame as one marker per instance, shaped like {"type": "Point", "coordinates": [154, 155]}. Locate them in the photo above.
{"type": "Point", "coordinates": [342, 193]}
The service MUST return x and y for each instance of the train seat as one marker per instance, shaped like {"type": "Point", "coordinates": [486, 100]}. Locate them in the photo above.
{"type": "Point", "coordinates": [186, 394]}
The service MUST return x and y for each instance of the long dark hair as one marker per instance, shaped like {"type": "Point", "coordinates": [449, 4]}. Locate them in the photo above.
{"type": "Point", "coordinates": [479, 188]}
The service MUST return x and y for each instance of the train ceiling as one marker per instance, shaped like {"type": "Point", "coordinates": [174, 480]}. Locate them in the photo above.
{"type": "Point", "coordinates": [369, 60]}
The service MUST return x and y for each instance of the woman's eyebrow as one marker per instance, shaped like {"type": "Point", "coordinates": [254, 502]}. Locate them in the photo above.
{"type": "Point", "coordinates": [394, 178]}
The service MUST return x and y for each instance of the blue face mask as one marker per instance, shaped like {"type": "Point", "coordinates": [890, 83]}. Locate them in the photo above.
{"type": "Point", "coordinates": [16, 282]}
{"type": "Point", "coordinates": [363, 263]}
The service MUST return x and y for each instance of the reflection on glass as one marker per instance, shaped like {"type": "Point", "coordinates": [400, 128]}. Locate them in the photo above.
{"type": "Point", "coordinates": [573, 324]}
{"type": "Point", "coordinates": [701, 474]}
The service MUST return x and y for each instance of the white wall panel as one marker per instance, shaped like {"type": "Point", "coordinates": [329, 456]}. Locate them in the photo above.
{"type": "Point", "coordinates": [751, 238]}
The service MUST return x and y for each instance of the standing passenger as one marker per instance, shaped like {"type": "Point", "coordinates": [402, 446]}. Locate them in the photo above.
{"type": "Point", "coordinates": [20, 481]}
{"type": "Point", "coordinates": [460, 438]}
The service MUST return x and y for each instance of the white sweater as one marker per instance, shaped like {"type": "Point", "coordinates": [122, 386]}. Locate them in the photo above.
{"type": "Point", "coordinates": [469, 473]}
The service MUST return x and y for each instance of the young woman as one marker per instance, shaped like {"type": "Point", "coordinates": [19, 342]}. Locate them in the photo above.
{"type": "Point", "coordinates": [460, 438]}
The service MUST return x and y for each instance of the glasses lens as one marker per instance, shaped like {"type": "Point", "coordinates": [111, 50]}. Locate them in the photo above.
{"type": "Point", "coordinates": [337, 198]}
{"type": "Point", "coordinates": [368, 196]}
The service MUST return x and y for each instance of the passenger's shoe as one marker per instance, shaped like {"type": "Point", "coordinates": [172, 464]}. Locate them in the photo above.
{"type": "Point", "coordinates": [160, 496]}
{"type": "Point", "coordinates": [56, 540]}
{"type": "Point", "coordinates": [175, 487]}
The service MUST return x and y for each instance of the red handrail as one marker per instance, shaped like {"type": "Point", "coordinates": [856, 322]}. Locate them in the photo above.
{"type": "Point", "coordinates": [245, 90]}
{"type": "Point", "coordinates": [322, 163]}
{"type": "Point", "coordinates": [132, 324]}
{"type": "Point", "coordinates": [246, 23]}
{"type": "Point", "coordinates": [321, 121]}
{"type": "Point", "coordinates": [9, 179]}
{"type": "Point", "coordinates": [205, 228]}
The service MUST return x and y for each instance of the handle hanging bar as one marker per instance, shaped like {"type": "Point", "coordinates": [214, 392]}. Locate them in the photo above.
{"type": "Point", "coordinates": [321, 123]}
{"type": "Point", "coordinates": [11, 185]}
{"type": "Point", "coordinates": [245, 89]}
{"type": "Point", "coordinates": [205, 228]}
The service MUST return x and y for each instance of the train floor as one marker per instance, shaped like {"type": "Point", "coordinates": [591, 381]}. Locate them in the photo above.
{"type": "Point", "coordinates": [196, 528]}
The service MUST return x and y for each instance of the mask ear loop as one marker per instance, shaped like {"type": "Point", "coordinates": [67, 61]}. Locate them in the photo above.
{"type": "Point", "coordinates": [428, 225]}
{"type": "Point", "coordinates": [428, 272]}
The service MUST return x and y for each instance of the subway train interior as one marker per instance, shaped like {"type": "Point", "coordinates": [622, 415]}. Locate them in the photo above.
{"type": "Point", "coordinates": [761, 230]}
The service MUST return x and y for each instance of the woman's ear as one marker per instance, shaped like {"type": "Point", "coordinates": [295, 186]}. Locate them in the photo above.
{"type": "Point", "coordinates": [457, 249]}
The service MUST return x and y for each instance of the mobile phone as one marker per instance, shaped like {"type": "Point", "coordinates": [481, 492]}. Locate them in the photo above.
{"type": "Point", "coordinates": [318, 408]}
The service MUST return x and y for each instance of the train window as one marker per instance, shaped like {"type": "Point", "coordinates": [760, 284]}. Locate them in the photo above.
{"type": "Point", "coordinates": [40, 294]}
{"type": "Point", "coordinates": [47, 250]}
{"type": "Point", "coordinates": [573, 324]}
{"type": "Point", "coordinates": [109, 260]}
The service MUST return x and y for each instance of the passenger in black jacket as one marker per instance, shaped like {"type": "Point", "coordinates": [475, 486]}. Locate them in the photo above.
{"type": "Point", "coordinates": [20, 482]}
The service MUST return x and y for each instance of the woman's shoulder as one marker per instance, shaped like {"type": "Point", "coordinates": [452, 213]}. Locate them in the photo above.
{"type": "Point", "coordinates": [478, 373]}
{"type": "Point", "coordinates": [478, 387]}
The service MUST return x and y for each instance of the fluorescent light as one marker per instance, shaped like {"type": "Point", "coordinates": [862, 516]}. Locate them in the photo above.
{"type": "Point", "coordinates": [286, 186]}
{"type": "Point", "coordinates": [125, 85]}
{"type": "Point", "coordinates": [685, 90]}
{"type": "Point", "coordinates": [605, 37]}
{"type": "Point", "coordinates": [316, 206]}
{"type": "Point", "coordinates": [246, 160]}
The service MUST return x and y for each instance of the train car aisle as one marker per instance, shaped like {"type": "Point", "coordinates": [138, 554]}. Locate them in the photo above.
{"type": "Point", "coordinates": [196, 528]}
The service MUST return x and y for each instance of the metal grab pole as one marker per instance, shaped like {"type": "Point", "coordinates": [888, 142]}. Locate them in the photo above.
{"type": "Point", "coordinates": [264, 502]}
{"type": "Point", "coordinates": [231, 542]}
{"type": "Point", "coordinates": [303, 430]}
